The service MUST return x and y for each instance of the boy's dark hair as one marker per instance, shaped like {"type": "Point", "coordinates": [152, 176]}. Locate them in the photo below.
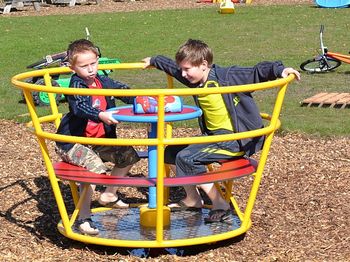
{"type": "Point", "coordinates": [80, 46]}
{"type": "Point", "coordinates": [194, 52]}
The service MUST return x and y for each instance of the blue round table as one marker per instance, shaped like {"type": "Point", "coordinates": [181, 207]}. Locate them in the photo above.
{"type": "Point", "coordinates": [126, 114]}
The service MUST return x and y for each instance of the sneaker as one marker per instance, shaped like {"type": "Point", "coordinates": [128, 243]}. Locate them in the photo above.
{"type": "Point", "coordinates": [114, 204]}
{"type": "Point", "coordinates": [87, 227]}
{"type": "Point", "coordinates": [218, 215]}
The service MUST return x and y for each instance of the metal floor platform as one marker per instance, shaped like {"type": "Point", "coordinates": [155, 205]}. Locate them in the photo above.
{"type": "Point", "coordinates": [124, 224]}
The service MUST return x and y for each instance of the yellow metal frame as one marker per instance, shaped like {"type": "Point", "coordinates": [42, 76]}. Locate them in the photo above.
{"type": "Point", "coordinates": [163, 138]}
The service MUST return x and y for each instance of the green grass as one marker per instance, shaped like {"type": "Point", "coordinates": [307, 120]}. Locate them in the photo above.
{"type": "Point", "coordinates": [251, 35]}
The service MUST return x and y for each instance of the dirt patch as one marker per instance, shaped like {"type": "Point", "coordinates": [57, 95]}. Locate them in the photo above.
{"type": "Point", "coordinates": [301, 214]}
{"type": "Point", "coordinates": [110, 6]}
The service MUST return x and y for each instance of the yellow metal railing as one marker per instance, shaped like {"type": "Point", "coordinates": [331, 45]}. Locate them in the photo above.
{"type": "Point", "coordinates": [163, 139]}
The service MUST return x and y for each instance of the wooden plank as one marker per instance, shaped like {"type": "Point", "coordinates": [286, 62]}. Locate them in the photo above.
{"type": "Point", "coordinates": [345, 99]}
{"type": "Point", "coordinates": [324, 98]}
{"type": "Point", "coordinates": [312, 99]}
{"type": "Point", "coordinates": [328, 99]}
{"type": "Point", "coordinates": [334, 102]}
{"type": "Point", "coordinates": [334, 98]}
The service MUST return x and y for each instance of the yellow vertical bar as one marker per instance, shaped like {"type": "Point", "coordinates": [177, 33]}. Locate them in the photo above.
{"type": "Point", "coordinates": [263, 157]}
{"type": "Point", "coordinates": [31, 108]}
{"type": "Point", "coordinates": [169, 134]}
{"type": "Point", "coordinates": [45, 153]}
{"type": "Point", "coordinates": [83, 194]}
{"type": "Point", "coordinates": [278, 105]}
{"type": "Point", "coordinates": [170, 81]}
{"type": "Point", "coordinates": [169, 126]}
{"type": "Point", "coordinates": [228, 188]}
{"type": "Point", "coordinates": [53, 105]}
{"type": "Point", "coordinates": [55, 186]}
{"type": "Point", "coordinates": [160, 169]}
{"type": "Point", "coordinates": [74, 191]}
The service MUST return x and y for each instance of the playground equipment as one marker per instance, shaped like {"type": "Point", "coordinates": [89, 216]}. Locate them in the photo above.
{"type": "Point", "coordinates": [7, 5]}
{"type": "Point", "coordinates": [325, 61]}
{"type": "Point", "coordinates": [333, 3]}
{"type": "Point", "coordinates": [74, 2]}
{"type": "Point", "coordinates": [227, 7]}
{"type": "Point", "coordinates": [220, 1]}
{"type": "Point", "coordinates": [141, 225]}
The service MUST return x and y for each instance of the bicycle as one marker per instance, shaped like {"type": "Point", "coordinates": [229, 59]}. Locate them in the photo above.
{"type": "Point", "coordinates": [59, 60]}
{"type": "Point", "coordinates": [326, 61]}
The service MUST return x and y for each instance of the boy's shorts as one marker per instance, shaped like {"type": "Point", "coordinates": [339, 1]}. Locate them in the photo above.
{"type": "Point", "coordinates": [92, 157]}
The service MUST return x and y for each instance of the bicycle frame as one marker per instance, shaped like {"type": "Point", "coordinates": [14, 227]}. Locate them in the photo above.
{"type": "Point", "coordinates": [334, 55]}
{"type": "Point", "coordinates": [326, 61]}
{"type": "Point", "coordinates": [340, 57]}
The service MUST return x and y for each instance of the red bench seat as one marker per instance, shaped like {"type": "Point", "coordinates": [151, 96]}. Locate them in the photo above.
{"type": "Point", "coordinates": [228, 170]}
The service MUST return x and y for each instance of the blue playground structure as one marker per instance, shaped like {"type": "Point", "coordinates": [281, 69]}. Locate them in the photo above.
{"type": "Point", "coordinates": [333, 3]}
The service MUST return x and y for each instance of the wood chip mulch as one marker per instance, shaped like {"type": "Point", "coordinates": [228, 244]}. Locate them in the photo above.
{"type": "Point", "coordinates": [301, 214]}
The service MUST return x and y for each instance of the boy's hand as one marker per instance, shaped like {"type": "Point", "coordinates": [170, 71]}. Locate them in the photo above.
{"type": "Point", "coordinates": [288, 70]}
{"type": "Point", "coordinates": [147, 62]}
{"type": "Point", "coordinates": [107, 117]}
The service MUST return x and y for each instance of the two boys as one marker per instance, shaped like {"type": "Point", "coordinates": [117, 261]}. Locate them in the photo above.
{"type": "Point", "coordinates": [222, 114]}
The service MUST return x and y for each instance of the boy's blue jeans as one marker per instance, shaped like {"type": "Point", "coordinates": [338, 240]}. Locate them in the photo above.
{"type": "Point", "coordinates": [193, 159]}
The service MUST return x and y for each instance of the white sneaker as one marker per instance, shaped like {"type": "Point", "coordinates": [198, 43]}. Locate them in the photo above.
{"type": "Point", "coordinates": [87, 227]}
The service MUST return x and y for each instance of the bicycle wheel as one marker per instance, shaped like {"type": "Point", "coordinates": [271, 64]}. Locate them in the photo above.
{"type": "Point", "coordinates": [319, 65]}
{"type": "Point", "coordinates": [42, 98]}
{"type": "Point", "coordinates": [48, 60]}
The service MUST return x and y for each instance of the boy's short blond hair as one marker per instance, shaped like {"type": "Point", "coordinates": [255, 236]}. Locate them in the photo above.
{"type": "Point", "coordinates": [194, 52]}
{"type": "Point", "coordinates": [80, 46]}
